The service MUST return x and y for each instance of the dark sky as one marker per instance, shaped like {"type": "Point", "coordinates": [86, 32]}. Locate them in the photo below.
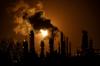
{"type": "Point", "coordinates": [70, 16]}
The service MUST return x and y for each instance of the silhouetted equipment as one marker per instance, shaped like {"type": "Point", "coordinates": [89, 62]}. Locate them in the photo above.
{"type": "Point", "coordinates": [87, 46]}
{"type": "Point", "coordinates": [32, 48]}
{"type": "Point", "coordinates": [51, 42]}
{"type": "Point", "coordinates": [85, 40]}
{"type": "Point", "coordinates": [69, 53]}
{"type": "Point", "coordinates": [42, 50]}
{"type": "Point", "coordinates": [33, 55]}
{"type": "Point", "coordinates": [63, 52]}
{"type": "Point", "coordinates": [59, 48]}
{"type": "Point", "coordinates": [10, 53]}
{"type": "Point", "coordinates": [67, 46]}
{"type": "Point", "coordinates": [25, 47]}
{"type": "Point", "coordinates": [91, 50]}
{"type": "Point", "coordinates": [20, 55]}
{"type": "Point", "coordinates": [25, 52]}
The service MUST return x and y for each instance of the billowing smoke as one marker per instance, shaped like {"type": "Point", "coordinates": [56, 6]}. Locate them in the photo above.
{"type": "Point", "coordinates": [27, 17]}
{"type": "Point", "coordinates": [23, 10]}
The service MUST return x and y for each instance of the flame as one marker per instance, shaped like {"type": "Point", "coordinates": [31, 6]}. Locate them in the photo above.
{"type": "Point", "coordinates": [44, 33]}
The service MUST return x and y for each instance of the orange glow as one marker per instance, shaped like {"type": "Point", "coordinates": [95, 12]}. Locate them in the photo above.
{"type": "Point", "coordinates": [44, 33]}
{"type": "Point", "coordinates": [23, 26]}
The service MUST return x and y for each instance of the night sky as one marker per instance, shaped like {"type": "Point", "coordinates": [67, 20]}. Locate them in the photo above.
{"type": "Point", "coordinates": [70, 16]}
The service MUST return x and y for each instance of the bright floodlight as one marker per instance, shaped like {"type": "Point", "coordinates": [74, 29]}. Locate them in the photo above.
{"type": "Point", "coordinates": [44, 33]}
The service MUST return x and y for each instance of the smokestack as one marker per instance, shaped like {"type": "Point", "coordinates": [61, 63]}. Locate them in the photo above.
{"type": "Point", "coordinates": [84, 40]}
{"type": "Point", "coordinates": [67, 48]}
{"type": "Point", "coordinates": [32, 48]}
{"type": "Point", "coordinates": [51, 43]}
{"type": "Point", "coordinates": [25, 45]}
{"type": "Point", "coordinates": [63, 52]}
{"type": "Point", "coordinates": [42, 50]}
{"type": "Point", "coordinates": [69, 53]}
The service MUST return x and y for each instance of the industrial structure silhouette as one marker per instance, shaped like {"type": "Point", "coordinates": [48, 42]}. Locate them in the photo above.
{"type": "Point", "coordinates": [25, 54]}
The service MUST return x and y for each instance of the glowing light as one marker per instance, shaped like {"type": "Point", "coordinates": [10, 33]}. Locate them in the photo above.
{"type": "Point", "coordinates": [44, 33]}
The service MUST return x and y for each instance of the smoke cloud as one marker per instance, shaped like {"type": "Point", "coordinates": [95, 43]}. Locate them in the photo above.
{"type": "Point", "coordinates": [23, 10]}
{"type": "Point", "coordinates": [16, 22]}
